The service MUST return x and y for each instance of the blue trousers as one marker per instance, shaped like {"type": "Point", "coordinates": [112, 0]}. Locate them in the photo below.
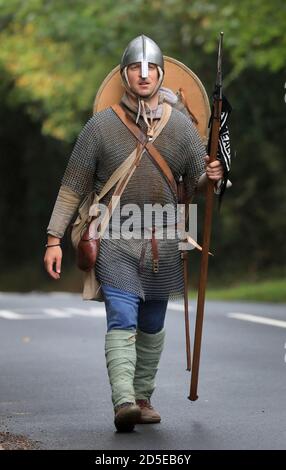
{"type": "Point", "coordinates": [125, 311]}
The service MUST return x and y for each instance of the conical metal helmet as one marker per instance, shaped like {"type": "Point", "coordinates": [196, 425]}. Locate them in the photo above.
{"type": "Point", "coordinates": [145, 50]}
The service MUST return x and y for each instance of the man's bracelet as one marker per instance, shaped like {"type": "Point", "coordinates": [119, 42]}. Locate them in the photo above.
{"type": "Point", "coordinates": [48, 246]}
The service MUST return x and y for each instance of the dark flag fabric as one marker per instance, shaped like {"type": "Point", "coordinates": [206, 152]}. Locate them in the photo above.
{"type": "Point", "coordinates": [224, 152]}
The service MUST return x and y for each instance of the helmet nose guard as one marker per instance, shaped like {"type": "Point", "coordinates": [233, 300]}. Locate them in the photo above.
{"type": "Point", "coordinates": [145, 50]}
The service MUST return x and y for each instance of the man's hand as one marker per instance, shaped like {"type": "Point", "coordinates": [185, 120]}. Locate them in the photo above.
{"type": "Point", "coordinates": [214, 170]}
{"type": "Point", "coordinates": [53, 256]}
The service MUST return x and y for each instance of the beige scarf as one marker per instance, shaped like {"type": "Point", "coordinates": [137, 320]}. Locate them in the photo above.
{"type": "Point", "coordinates": [150, 116]}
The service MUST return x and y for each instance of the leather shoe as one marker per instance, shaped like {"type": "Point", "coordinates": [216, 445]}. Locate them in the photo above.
{"type": "Point", "coordinates": [148, 414]}
{"type": "Point", "coordinates": [126, 416]}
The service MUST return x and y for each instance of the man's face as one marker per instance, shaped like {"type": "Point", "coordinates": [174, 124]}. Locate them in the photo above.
{"type": "Point", "coordinates": [142, 86]}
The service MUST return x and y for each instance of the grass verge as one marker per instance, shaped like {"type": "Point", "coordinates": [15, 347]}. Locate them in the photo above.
{"type": "Point", "coordinates": [264, 291]}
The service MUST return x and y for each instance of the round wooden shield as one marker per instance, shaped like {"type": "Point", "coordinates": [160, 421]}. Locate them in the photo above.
{"type": "Point", "coordinates": [177, 76]}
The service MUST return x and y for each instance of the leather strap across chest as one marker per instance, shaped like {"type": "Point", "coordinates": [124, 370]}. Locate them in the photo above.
{"type": "Point", "coordinates": [151, 149]}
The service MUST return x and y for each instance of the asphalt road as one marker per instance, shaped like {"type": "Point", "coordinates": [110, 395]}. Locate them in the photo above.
{"type": "Point", "coordinates": [55, 390]}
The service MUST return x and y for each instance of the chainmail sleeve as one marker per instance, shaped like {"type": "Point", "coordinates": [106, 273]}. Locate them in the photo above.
{"type": "Point", "coordinates": [194, 151]}
{"type": "Point", "coordinates": [78, 178]}
{"type": "Point", "coordinates": [80, 170]}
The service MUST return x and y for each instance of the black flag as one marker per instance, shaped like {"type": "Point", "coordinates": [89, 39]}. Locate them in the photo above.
{"type": "Point", "coordinates": [224, 152]}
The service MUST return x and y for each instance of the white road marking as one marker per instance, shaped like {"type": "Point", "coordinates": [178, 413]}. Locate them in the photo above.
{"type": "Point", "coordinates": [49, 313]}
{"type": "Point", "coordinates": [257, 319]}
{"type": "Point", "coordinates": [9, 315]}
{"type": "Point", "coordinates": [56, 313]}
{"type": "Point", "coordinates": [178, 307]}
{"type": "Point", "coordinates": [91, 312]}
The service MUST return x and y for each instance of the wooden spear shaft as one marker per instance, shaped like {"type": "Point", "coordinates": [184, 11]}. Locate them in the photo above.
{"type": "Point", "coordinates": [201, 294]}
{"type": "Point", "coordinates": [206, 239]}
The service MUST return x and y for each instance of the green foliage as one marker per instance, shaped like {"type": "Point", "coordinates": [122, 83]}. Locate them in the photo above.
{"type": "Point", "coordinates": [59, 51]}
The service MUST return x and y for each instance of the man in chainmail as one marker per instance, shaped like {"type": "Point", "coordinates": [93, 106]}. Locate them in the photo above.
{"type": "Point", "coordinates": [135, 294]}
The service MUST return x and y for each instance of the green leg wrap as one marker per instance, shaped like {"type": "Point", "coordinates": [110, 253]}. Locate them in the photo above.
{"type": "Point", "coordinates": [149, 348]}
{"type": "Point", "coordinates": [120, 354]}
